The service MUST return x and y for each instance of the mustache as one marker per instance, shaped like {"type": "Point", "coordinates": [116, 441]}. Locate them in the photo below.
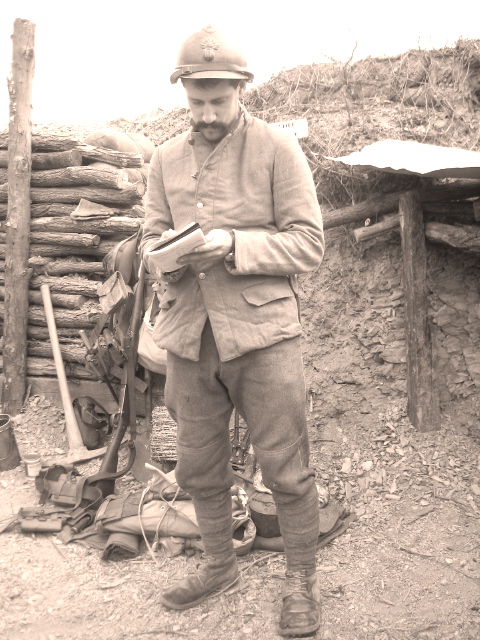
{"type": "Point", "coordinates": [209, 125]}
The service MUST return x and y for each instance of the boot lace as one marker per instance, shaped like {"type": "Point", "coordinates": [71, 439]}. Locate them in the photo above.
{"type": "Point", "coordinates": [297, 581]}
{"type": "Point", "coordinates": [204, 564]}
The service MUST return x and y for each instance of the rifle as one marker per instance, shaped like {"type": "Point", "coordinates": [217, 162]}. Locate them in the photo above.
{"type": "Point", "coordinates": [126, 414]}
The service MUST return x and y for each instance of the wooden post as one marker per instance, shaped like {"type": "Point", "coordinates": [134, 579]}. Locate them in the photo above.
{"type": "Point", "coordinates": [423, 398]}
{"type": "Point", "coordinates": [17, 249]}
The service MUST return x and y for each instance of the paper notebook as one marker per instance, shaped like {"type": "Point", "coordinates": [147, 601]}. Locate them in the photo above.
{"type": "Point", "coordinates": [166, 252]}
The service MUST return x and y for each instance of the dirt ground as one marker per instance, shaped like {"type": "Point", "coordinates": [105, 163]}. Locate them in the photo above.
{"type": "Point", "coordinates": [407, 568]}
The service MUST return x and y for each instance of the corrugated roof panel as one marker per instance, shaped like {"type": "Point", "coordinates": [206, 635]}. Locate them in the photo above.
{"type": "Point", "coordinates": [410, 157]}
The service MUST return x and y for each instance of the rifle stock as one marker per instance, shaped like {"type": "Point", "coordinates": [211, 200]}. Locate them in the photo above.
{"type": "Point", "coordinates": [110, 459]}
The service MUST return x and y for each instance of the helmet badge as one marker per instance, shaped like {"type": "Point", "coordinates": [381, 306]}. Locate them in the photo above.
{"type": "Point", "coordinates": [210, 46]}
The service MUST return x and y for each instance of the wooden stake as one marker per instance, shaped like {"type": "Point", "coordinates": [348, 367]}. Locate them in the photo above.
{"type": "Point", "coordinates": [18, 216]}
{"type": "Point", "coordinates": [423, 400]}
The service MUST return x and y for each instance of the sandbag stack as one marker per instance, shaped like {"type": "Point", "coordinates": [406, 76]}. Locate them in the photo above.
{"type": "Point", "coordinates": [86, 196]}
{"type": "Point", "coordinates": [126, 143]}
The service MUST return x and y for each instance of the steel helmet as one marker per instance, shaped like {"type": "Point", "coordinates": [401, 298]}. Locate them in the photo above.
{"type": "Point", "coordinates": [206, 54]}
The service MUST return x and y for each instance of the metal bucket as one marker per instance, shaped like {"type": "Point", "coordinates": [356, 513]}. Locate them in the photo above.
{"type": "Point", "coordinates": [264, 514]}
{"type": "Point", "coordinates": [32, 463]}
{"type": "Point", "coordinates": [9, 455]}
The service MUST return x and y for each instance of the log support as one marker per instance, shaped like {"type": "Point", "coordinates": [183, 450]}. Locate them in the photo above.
{"type": "Point", "coordinates": [388, 202]}
{"type": "Point", "coordinates": [17, 273]}
{"type": "Point", "coordinates": [54, 160]}
{"type": "Point", "coordinates": [423, 399]}
{"type": "Point", "coordinates": [389, 222]}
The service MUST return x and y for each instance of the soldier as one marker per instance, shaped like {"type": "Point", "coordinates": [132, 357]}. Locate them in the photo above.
{"type": "Point", "coordinates": [229, 318]}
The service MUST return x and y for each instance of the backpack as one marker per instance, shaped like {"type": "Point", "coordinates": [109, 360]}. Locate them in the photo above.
{"type": "Point", "coordinates": [112, 343]}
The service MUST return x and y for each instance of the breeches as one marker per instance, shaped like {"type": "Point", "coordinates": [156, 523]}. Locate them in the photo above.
{"type": "Point", "coordinates": [267, 387]}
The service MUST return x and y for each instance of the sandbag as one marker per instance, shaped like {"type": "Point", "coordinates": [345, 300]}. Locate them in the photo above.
{"type": "Point", "coordinates": [144, 171]}
{"type": "Point", "coordinates": [135, 175]}
{"type": "Point", "coordinates": [144, 144]}
{"type": "Point", "coordinates": [111, 139]}
{"type": "Point", "coordinates": [105, 166]}
{"type": "Point", "coordinates": [119, 141]}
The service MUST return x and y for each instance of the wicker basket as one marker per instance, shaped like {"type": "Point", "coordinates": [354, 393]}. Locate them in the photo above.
{"type": "Point", "coordinates": [163, 439]}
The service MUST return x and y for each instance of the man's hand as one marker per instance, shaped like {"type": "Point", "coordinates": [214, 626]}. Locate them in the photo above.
{"type": "Point", "coordinates": [219, 245]}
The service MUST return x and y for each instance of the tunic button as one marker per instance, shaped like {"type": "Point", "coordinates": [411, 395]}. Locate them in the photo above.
{"type": "Point", "coordinates": [202, 276]}
{"type": "Point", "coordinates": [199, 205]}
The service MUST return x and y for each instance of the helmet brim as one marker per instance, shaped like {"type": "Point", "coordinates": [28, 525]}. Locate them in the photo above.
{"type": "Point", "coordinates": [215, 74]}
{"type": "Point", "coordinates": [220, 74]}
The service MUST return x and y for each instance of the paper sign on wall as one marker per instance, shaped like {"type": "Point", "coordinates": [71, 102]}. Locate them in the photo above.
{"type": "Point", "coordinates": [296, 128]}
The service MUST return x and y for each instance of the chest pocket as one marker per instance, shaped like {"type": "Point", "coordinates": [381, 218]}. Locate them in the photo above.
{"type": "Point", "coordinates": [266, 292]}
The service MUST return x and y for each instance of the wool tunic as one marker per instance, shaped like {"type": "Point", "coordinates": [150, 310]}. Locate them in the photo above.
{"type": "Point", "coordinates": [255, 181]}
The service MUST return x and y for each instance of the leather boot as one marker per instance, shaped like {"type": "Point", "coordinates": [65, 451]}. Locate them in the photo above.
{"type": "Point", "coordinates": [214, 576]}
{"type": "Point", "coordinates": [300, 613]}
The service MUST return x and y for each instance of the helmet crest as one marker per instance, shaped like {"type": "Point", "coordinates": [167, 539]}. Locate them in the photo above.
{"type": "Point", "coordinates": [210, 45]}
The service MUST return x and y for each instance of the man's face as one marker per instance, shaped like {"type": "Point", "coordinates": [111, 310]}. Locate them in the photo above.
{"type": "Point", "coordinates": [214, 108]}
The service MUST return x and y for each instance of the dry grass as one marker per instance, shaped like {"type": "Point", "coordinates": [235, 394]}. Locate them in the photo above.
{"type": "Point", "coordinates": [428, 96]}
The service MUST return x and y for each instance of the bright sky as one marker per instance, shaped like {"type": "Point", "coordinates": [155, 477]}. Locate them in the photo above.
{"type": "Point", "coordinates": [100, 60]}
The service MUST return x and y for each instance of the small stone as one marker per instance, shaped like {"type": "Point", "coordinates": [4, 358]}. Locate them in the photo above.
{"type": "Point", "coordinates": [475, 489]}
{"type": "Point", "coordinates": [16, 592]}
